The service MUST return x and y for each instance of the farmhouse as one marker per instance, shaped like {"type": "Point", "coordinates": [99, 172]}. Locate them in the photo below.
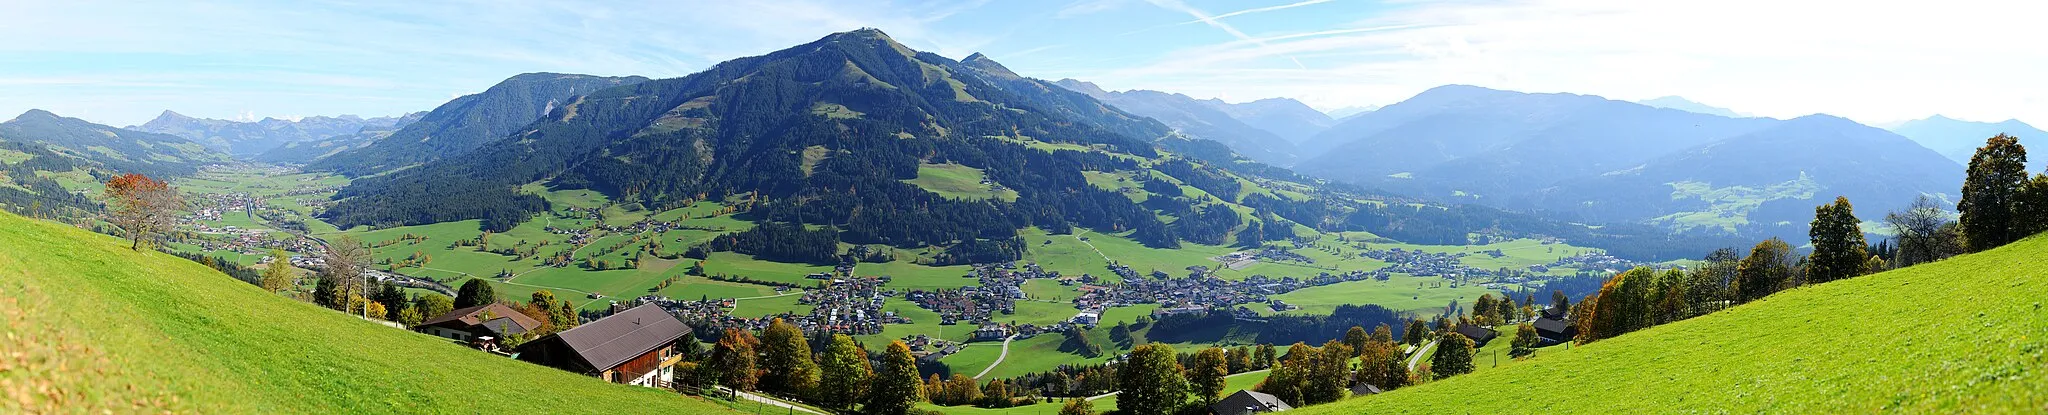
{"type": "Point", "coordinates": [1479, 335]}
{"type": "Point", "coordinates": [1246, 402]}
{"type": "Point", "coordinates": [468, 324]}
{"type": "Point", "coordinates": [635, 347]}
{"type": "Point", "coordinates": [1087, 318]}
{"type": "Point", "coordinates": [1555, 325]}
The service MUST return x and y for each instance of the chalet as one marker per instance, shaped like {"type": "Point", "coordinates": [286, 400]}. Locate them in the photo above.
{"type": "Point", "coordinates": [635, 347]}
{"type": "Point", "coordinates": [991, 332]}
{"type": "Point", "coordinates": [1555, 325]}
{"type": "Point", "coordinates": [1479, 335]}
{"type": "Point", "coordinates": [1087, 318]}
{"type": "Point", "coordinates": [471, 323]}
{"type": "Point", "coordinates": [1246, 402]}
{"type": "Point", "coordinates": [1362, 389]}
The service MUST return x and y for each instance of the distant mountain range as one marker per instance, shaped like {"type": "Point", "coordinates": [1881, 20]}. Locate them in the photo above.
{"type": "Point", "coordinates": [1284, 117]}
{"type": "Point", "coordinates": [1958, 139]}
{"type": "Point", "coordinates": [248, 139]}
{"type": "Point", "coordinates": [306, 151]}
{"type": "Point", "coordinates": [1347, 112]}
{"type": "Point", "coordinates": [1207, 119]}
{"type": "Point", "coordinates": [117, 150]}
{"type": "Point", "coordinates": [470, 121]}
{"type": "Point", "coordinates": [1606, 161]}
{"type": "Point", "coordinates": [1682, 104]}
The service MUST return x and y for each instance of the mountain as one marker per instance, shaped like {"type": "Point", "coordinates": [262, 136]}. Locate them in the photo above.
{"type": "Point", "coordinates": [117, 150]}
{"type": "Point", "coordinates": [1284, 117]}
{"type": "Point", "coordinates": [301, 152]}
{"type": "Point", "coordinates": [1958, 139]}
{"type": "Point", "coordinates": [854, 140]}
{"type": "Point", "coordinates": [470, 121]}
{"type": "Point", "coordinates": [1767, 181]}
{"type": "Point", "coordinates": [108, 329]}
{"type": "Point", "coordinates": [1195, 118]}
{"type": "Point", "coordinates": [1472, 142]}
{"type": "Point", "coordinates": [247, 139]}
{"type": "Point", "coordinates": [1837, 348]}
{"type": "Point", "coordinates": [1682, 104]}
{"type": "Point", "coordinates": [1347, 112]}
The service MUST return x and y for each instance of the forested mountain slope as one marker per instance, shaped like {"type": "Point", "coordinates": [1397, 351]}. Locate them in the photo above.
{"type": "Point", "coordinates": [93, 326]}
{"type": "Point", "coordinates": [1963, 335]}
{"type": "Point", "coordinates": [470, 121]}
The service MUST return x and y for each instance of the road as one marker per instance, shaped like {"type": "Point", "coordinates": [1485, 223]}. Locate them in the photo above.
{"type": "Point", "coordinates": [769, 401]}
{"type": "Point", "coordinates": [999, 358]}
{"type": "Point", "coordinates": [1419, 352]}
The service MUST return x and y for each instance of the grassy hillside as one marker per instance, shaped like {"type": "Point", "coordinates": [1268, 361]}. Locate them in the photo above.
{"type": "Point", "coordinates": [92, 326]}
{"type": "Point", "coordinates": [1966, 335]}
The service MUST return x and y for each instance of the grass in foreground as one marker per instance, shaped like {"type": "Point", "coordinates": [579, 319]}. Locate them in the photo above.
{"type": "Point", "coordinates": [1965, 335]}
{"type": "Point", "coordinates": [97, 327]}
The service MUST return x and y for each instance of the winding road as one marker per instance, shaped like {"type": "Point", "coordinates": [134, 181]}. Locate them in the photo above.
{"type": "Point", "coordinates": [1417, 358]}
{"type": "Point", "coordinates": [999, 358]}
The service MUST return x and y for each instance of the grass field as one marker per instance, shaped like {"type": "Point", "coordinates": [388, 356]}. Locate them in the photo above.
{"type": "Point", "coordinates": [1965, 335]}
{"type": "Point", "coordinates": [958, 182]}
{"type": "Point", "coordinates": [95, 327]}
{"type": "Point", "coordinates": [1398, 293]}
{"type": "Point", "coordinates": [763, 307]}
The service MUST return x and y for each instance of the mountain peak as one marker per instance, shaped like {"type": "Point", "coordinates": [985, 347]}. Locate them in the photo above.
{"type": "Point", "coordinates": [36, 114]}
{"type": "Point", "coordinates": [982, 62]}
{"type": "Point", "coordinates": [1084, 87]}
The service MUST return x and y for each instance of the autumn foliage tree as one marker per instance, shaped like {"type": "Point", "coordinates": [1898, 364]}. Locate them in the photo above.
{"type": "Point", "coordinates": [787, 359]}
{"type": "Point", "coordinates": [1206, 373]}
{"type": "Point", "coordinates": [845, 374]}
{"type": "Point", "coordinates": [896, 388]}
{"type": "Point", "coordinates": [733, 360]}
{"type": "Point", "coordinates": [142, 207]}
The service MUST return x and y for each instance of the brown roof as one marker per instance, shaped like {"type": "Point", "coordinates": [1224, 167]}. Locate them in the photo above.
{"type": "Point", "coordinates": [611, 341]}
{"type": "Point", "coordinates": [472, 316]}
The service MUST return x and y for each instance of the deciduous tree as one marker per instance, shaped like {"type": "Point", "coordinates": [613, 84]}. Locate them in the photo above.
{"type": "Point", "coordinates": [1206, 373]}
{"type": "Point", "coordinates": [1077, 407]}
{"type": "Point", "coordinates": [1453, 356]}
{"type": "Point", "coordinates": [896, 388]}
{"type": "Point", "coordinates": [1919, 231]}
{"type": "Point", "coordinates": [846, 374]}
{"type": "Point", "coordinates": [1997, 173]}
{"type": "Point", "coordinates": [278, 275]}
{"type": "Point", "coordinates": [1765, 270]}
{"type": "Point", "coordinates": [345, 259]}
{"type": "Point", "coordinates": [733, 360]}
{"type": "Point", "coordinates": [787, 360]}
{"type": "Point", "coordinates": [142, 207]}
{"type": "Point", "coordinates": [475, 292]}
{"type": "Point", "coordinates": [1525, 341]}
{"type": "Point", "coordinates": [1838, 247]}
{"type": "Point", "coordinates": [1150, 381]}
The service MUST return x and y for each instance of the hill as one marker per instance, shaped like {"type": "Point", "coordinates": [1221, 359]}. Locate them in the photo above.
{"type": "Point", "coordinates": [98, 326]}
{"type": "Point", "coordinates": [1344, 113]}
{"type": "Point", "coordinates": [306, 151]}
{"type": "Point", "coordinates": [470, 121]}
{"type": "Point", "coordinates": [1958, 139]}
{"type": "Point", "coordinates": [1197, 118]}
{"type": "Point", "coordinates": [1682, 104]}
{"type": "Point", "coordinates": [1765, 182]}
{"type": "Point", "coordinates": [118, 150]}
{"type": "Point", "coordinates": [248, 139]}
{"type": "Point", "coordinates": [1962, 335]}
{"type": "Point", "coordinates": [1284, 117]}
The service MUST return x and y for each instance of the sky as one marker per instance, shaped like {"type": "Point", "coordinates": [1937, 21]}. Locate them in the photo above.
{"type": "Point", "coordinates": [1876, 61]}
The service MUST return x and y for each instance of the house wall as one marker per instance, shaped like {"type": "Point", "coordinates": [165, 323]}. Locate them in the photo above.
{"type": "Point", "coordinates": [643, 369]}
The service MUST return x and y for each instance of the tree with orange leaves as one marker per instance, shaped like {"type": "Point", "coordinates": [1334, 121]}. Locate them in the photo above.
{"type": "Point", "coordinates": [142, 207]}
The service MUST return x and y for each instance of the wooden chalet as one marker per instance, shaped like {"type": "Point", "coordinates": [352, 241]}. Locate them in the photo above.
{"type": "Point", "coordinates": [634, 347]}
{"type": "Point", "coordinates": [474, 324]}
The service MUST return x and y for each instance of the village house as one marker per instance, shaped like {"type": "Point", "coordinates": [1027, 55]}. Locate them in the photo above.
{"type": "Point", "coordinates": [1554, 325]}
{"type": "Point", "coordinates": [470, 324]}
{"type": "Point", "coordinates": [1479, 335]}
{"type": "Point", "coordinates": [635, 347]}
{"type": "Point", "coordinates": [1246, 402]}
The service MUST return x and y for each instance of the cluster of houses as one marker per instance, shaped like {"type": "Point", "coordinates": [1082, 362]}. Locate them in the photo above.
{"type": "Point", "coordinates": [1597, 262]}
{"type": "Point", "coordinates": [1424, 264]}
{"type": "Point", "coordinates": [847, 305]}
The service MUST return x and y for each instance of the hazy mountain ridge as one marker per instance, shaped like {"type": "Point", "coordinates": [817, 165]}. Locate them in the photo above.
{"type": "Point", "coordinates": [1958, 140]}
{"type": "Point", "coordinates": [1683, 104]}
{"type": "Point", "coordinates": [1196, 118]}
{"type": "Point", "coordinates": [248, 139]}
{"type": "Point", "coordinates": [301, 152]}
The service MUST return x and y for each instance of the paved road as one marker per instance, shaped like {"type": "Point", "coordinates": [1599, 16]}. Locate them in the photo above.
{"type": "Point", "coordinates": [769, 401]}
{"type": "Point", "coordinates": [1419, 352]}
{"type": "Point", "coordinates": [999, 358]}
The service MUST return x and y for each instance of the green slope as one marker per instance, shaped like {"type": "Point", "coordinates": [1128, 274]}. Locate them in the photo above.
{"type": "Point", "coordinates": [90, 325]}
{"type": "Point", "coordinates": [1965, 335]}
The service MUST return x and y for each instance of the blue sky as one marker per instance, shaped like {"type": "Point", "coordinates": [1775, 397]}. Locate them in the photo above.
{"type": "Point", "coordinates": [122, 63]}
